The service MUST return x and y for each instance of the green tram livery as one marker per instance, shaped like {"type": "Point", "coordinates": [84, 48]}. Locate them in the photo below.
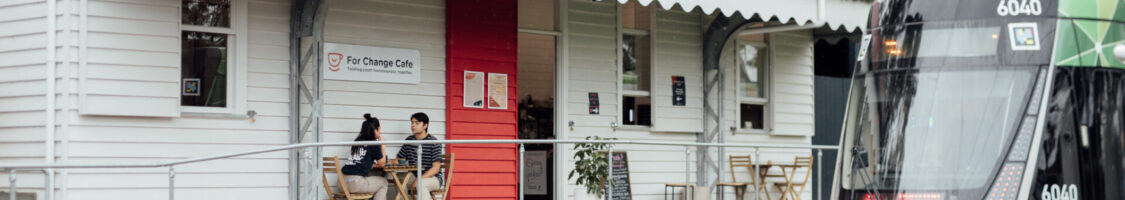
{"type": "Point", "coordinates": [987, 99]}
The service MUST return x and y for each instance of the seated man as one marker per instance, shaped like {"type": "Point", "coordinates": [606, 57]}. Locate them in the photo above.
{"type": "Point", "coordinates": [431, 157]}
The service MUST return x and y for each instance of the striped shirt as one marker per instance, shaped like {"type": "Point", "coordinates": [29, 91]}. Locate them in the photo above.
{"type": "Point", "coordinates": [432, 153]}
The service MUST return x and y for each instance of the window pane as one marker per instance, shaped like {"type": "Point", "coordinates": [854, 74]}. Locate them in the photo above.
{"type": "Point", "coordinates": [752, 116]}
{"type": "Point", "coordinates": [752, 81]}
{"type": "Point", "coordinates": [630, 68]}
{"type": "Point", "coordinates": [203, 64]}
{"type": "Point", "coordinates": [214, 13]}
{"type": "Point", "coordinates": [637, 111]}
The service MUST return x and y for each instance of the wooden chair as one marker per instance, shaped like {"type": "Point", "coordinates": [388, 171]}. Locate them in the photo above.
{"type": "Point", "coordinates": [332, 165]}
{"type": "Point", "coordinates": [447, 164]}
{"type": "Point", "coordinates": [791, 186]}
{"type": "Point", "coordinates": [739, 187]}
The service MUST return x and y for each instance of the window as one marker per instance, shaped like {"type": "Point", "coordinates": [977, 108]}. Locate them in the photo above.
{"type": "Point", "coordinates": [752, 56]}
{"type": "Point", "coordinates": [208, 67]}
{"type": "Point", "coordinates": [636, 68]}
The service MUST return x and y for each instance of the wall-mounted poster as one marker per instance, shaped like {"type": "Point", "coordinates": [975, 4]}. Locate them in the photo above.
{"type": "Point", "coordinates": [595, 105]}
{"type": "Point", "coordinates": [497, 91]}
{"type": "Point", "coordinates": [535, 176]}
{"type": "Point", "coordinates": [474, 89]}
{"type": "Point", "coordinates": [679, 93]}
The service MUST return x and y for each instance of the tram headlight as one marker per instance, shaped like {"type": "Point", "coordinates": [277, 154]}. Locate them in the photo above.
{"type": "Point", "coordinates": [1007, 183]}
{"type": "Point", "coordinates": [1119, 53]}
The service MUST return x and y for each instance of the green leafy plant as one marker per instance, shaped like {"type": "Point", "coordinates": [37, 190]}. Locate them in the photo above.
{"type": "Point", "coordinates": [590, 165]}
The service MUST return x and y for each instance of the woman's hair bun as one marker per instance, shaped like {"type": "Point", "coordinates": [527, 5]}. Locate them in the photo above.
{"type": "Point", "coordinates": [367, 116]}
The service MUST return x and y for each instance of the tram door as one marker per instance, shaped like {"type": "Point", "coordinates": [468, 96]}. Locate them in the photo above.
{"type": "Point", "coordinates": [1082, 148]}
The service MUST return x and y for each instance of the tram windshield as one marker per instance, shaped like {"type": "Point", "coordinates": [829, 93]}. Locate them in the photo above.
{"type": "Point", "coordinates": [932, 129]}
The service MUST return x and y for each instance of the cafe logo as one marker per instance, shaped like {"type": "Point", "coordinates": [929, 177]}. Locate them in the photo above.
{"type": "Point", "coordinates": [334, 61]}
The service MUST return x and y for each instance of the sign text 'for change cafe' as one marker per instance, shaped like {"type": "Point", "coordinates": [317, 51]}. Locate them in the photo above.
{"type": "Point", "coordinates": [372, 64]}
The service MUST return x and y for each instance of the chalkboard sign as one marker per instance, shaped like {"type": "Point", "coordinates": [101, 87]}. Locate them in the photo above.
{"type": "Point", "coordinates": [621, 188]}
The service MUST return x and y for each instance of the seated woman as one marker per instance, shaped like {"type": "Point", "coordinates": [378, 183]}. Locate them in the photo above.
{"type": "Point", "coordinates": [364, 158]}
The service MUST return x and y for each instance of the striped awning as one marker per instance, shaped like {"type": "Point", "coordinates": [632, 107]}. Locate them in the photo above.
{"type": "Point", "coordinates": [840, 15]}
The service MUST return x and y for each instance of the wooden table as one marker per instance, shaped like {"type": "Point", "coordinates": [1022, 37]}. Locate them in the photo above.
{"type": "Point", "coordinates": [394, 171]}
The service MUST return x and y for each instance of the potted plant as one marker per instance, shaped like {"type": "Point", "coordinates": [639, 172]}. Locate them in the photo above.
{"type": "Point", "coordinates": [590, 167]}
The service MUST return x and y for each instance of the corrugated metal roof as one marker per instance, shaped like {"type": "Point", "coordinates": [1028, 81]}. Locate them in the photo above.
{"type": "Point", "coordinates": [846, 15]}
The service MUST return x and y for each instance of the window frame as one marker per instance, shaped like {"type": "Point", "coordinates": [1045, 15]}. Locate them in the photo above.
{"type": "Point", "coordinates": [621, 91]}
{"type": "Point", "coordinates": [237, 43]}
{"type": "Point", "coordinates": [767, 108]}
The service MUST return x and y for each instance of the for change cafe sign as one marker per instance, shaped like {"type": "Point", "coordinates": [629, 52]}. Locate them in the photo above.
{"type": "Point", "coordinates": [372, 64]}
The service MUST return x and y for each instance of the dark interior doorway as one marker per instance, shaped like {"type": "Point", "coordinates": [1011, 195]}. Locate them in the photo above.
{"type": "Point", "coordinates": [537, 65]}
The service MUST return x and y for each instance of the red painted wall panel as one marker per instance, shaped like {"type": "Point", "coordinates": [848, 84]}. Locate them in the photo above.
{"type": "Point", "coordinates": [481, 36]}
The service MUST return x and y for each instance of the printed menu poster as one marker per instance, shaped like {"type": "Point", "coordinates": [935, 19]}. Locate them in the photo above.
{"type": "Point", "coordinates": [497, 91]}
{"type": "Point", "coordinates": [474, 89]}
{"type": "Point", "coordinates": [595, 106]}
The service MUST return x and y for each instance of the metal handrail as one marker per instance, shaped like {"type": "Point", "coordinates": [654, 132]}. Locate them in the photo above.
{"type": "Point", "coordinates": [12, 168]}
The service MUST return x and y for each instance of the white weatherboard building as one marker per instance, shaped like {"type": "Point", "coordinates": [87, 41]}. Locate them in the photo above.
{"type": "Point", "coordinates": [114, 81]}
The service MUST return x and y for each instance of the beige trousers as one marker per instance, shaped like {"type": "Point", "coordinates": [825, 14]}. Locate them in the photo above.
{"type": "Point", "coordinates": [425, 186]}
{"type": "Point", "coordinates": [369, 184]}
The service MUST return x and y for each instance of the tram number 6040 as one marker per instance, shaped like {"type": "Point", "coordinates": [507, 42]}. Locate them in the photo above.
{"type": "Point", "coordinates": [1056, 192]}
{"type": "Point", "coordinates": [1018, 7]}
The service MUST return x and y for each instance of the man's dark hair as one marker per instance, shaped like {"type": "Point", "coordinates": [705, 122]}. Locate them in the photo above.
{"type": "Point", "coordinates": [421, 117]}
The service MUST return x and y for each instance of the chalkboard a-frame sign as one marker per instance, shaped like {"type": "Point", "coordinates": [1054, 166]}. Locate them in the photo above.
{"type": "Point", "coordinates": [622, 189]}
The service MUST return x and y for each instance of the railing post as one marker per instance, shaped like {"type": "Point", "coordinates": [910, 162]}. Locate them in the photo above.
{"type": "Point", "coordinates": [609, 174]}
{"type": "Point", "coordinates": [171, 182]}
{"type": "Point", "coordinates": [757, 181]}
{"type": "Point", "coordinates": [12, 184]}
{"type": "Point", "coordinates": [48, 190]}
{"type": "Point", "coordinates": [819, 176]}
{"type": "Point", "coordinates": [521, 181]}
{"type": "Point", "coordinates": [687, 174]}
{"type": "Point", "coordinates": [418, 178]}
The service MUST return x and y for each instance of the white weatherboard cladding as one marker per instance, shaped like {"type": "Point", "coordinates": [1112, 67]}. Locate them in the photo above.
{"type": "Point", "coordinates": [678, 49]}
{"type": "Point", "coordinates": [132, 56]}
{"type": "Point", "coordinates": [130, 39]}
{"type": "Point", "coordinates": [23, 55]}
{"type": "Point", "coordinates": [790, 107]}
{"type": "Point", "coordinates": [679, 46]}
{"type": "Point", "coordinates": [371, 64]}
{"type": "Point", "coordinates": [413, 25]}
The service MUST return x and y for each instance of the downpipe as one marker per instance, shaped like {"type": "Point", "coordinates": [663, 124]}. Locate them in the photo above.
{"type": "Point", "coordinates": [49, 155]}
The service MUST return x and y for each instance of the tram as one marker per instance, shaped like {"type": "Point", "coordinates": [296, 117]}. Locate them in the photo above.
{"type": "Point", "coordinates": [987, 99]}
